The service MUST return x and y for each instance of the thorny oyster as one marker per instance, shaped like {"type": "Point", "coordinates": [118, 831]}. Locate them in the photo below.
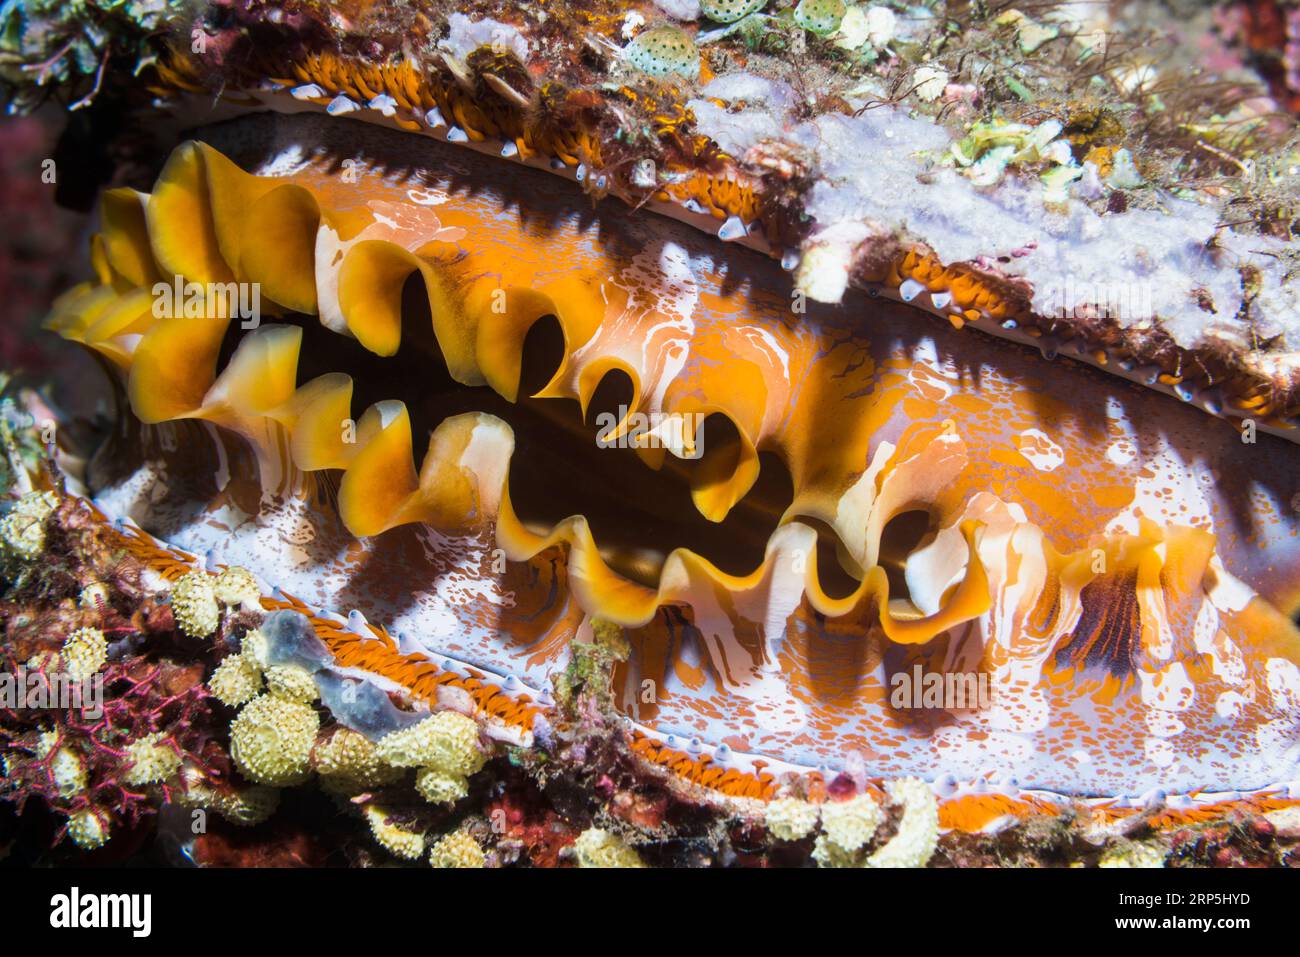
{"type": "Point", "coordinates": [827, 449]}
